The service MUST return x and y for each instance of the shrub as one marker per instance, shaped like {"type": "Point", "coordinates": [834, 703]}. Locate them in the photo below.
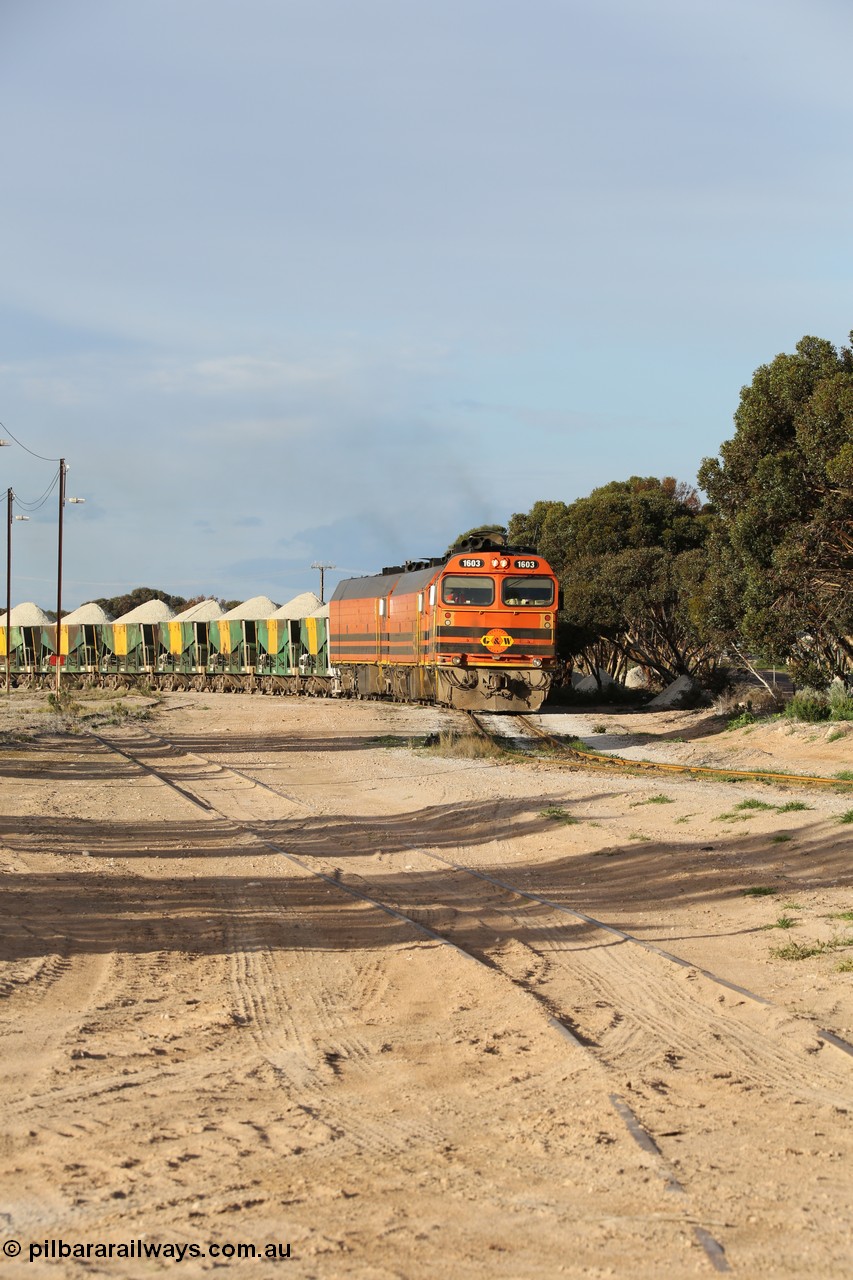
{"type": "Point", "coordinates": [840, 703]}
{"type": "Point", "coordinates": [740, 722]}
{"type": "Point", "coordinates": [808, 705]}
{"type": "Point", "coordinates": [748, 699]}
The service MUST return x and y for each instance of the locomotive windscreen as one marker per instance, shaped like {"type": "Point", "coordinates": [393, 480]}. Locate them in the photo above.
{"type": "Point", "coordinates": [467, 588]}
{"type": "Point", "coordinates": [538, 592]}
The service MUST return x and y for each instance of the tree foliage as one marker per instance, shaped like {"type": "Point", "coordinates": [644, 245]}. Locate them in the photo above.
{"type": "Point", "coordinates": [632, 565]}
{"type": "Point", "coordinates": [493, 532]}
{"type": "Point", "coordinates": [117, 606]}
{"type": "Point", "coordinates": [782, 489]}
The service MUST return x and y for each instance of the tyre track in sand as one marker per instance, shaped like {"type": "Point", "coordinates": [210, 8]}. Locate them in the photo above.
{"type": "Point", "coordinates": [256, 985]}
{"type": "Point", "coordinates": [672, 1034]}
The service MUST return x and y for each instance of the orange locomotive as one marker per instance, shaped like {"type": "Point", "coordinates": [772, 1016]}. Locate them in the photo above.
{"type": "Point", "coordinates": [474, 630]}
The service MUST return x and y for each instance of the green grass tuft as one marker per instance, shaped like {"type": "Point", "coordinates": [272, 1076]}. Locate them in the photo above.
{"type": "Point", "coordinates": [465, 746]}
{"type": "Point", "coordinates": [805, 950]}
{"type": "Point", "coordinates": [557, 813]}
{"type": "Point", "coordinates": [797, 950]}
{"type": "Point", "coordinates": [759, 891]}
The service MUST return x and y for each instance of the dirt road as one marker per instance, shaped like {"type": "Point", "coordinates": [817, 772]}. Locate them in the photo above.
{"type": "Point", "coordinates": [255, 997]}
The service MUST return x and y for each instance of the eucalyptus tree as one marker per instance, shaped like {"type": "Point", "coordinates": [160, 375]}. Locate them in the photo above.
{"type": "Point", "coordinates": [632, 564]}
{"type": "Point", "coordinates": [782, 491]}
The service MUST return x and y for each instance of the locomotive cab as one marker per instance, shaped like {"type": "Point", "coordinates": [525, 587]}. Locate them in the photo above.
{"type": "Point", "coordinates": [474, 630]}
{"type": "Point", "coordinates": [494, 627]}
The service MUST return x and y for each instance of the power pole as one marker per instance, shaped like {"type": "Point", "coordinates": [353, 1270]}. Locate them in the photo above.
{"type": "Point", "coordinates": [10, 497]}
{"type": "Point", "coordinates": [62, 472]}
{"type": "Point", "coordinates": [58, 654]}
{"type": "Point", "coordinates": [322, 566]}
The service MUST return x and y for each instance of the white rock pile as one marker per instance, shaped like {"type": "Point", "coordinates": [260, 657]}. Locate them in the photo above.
{"type": "Point", "coordinates": [252, 610]}
{"type": "Point", "coordinates": [149, 612]}
{"type": "Point", "coordinates": [204, 611]}
{"type": "Point", "coordinates": [301, 606]}
{"type": "Point", "coordinates": [27, 615]}
{"type": "Point", "coordinates": [88, 615]}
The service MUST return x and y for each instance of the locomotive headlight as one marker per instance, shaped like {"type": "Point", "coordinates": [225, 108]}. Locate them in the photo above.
{"type": "Point", "coordinates": [537, 662]}
{"type": "Point", "coordinates": [504, 564]}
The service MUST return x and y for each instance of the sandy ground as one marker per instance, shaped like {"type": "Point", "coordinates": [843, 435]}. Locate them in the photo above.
{"type": "Point", "coordinates": [206, 1045]}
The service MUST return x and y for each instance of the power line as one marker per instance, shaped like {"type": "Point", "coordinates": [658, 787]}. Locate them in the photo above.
{"type": "Point", "coordinates": [40, 456]}
{"type": "Point", "coordinates": [38, 502]}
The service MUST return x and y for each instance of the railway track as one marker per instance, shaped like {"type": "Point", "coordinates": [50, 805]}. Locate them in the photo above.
{"type": "Point", "coordinates": [486, 943]}
{"type": "Point", "coordinates": [519, 732]}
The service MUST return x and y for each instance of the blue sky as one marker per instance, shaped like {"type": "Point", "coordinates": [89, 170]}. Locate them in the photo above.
{"type": "Point", "coordinates": [288, 282]}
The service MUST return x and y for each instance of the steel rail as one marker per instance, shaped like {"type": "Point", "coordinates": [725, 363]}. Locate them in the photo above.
{"type": "Point", "coordinates": [595, 760]}
{"type": "Point", "coordinates": [713, 1250]}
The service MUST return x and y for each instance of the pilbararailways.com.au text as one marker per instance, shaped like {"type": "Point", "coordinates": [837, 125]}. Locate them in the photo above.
{"type": "Point", "coordinates": [58, 1249]}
